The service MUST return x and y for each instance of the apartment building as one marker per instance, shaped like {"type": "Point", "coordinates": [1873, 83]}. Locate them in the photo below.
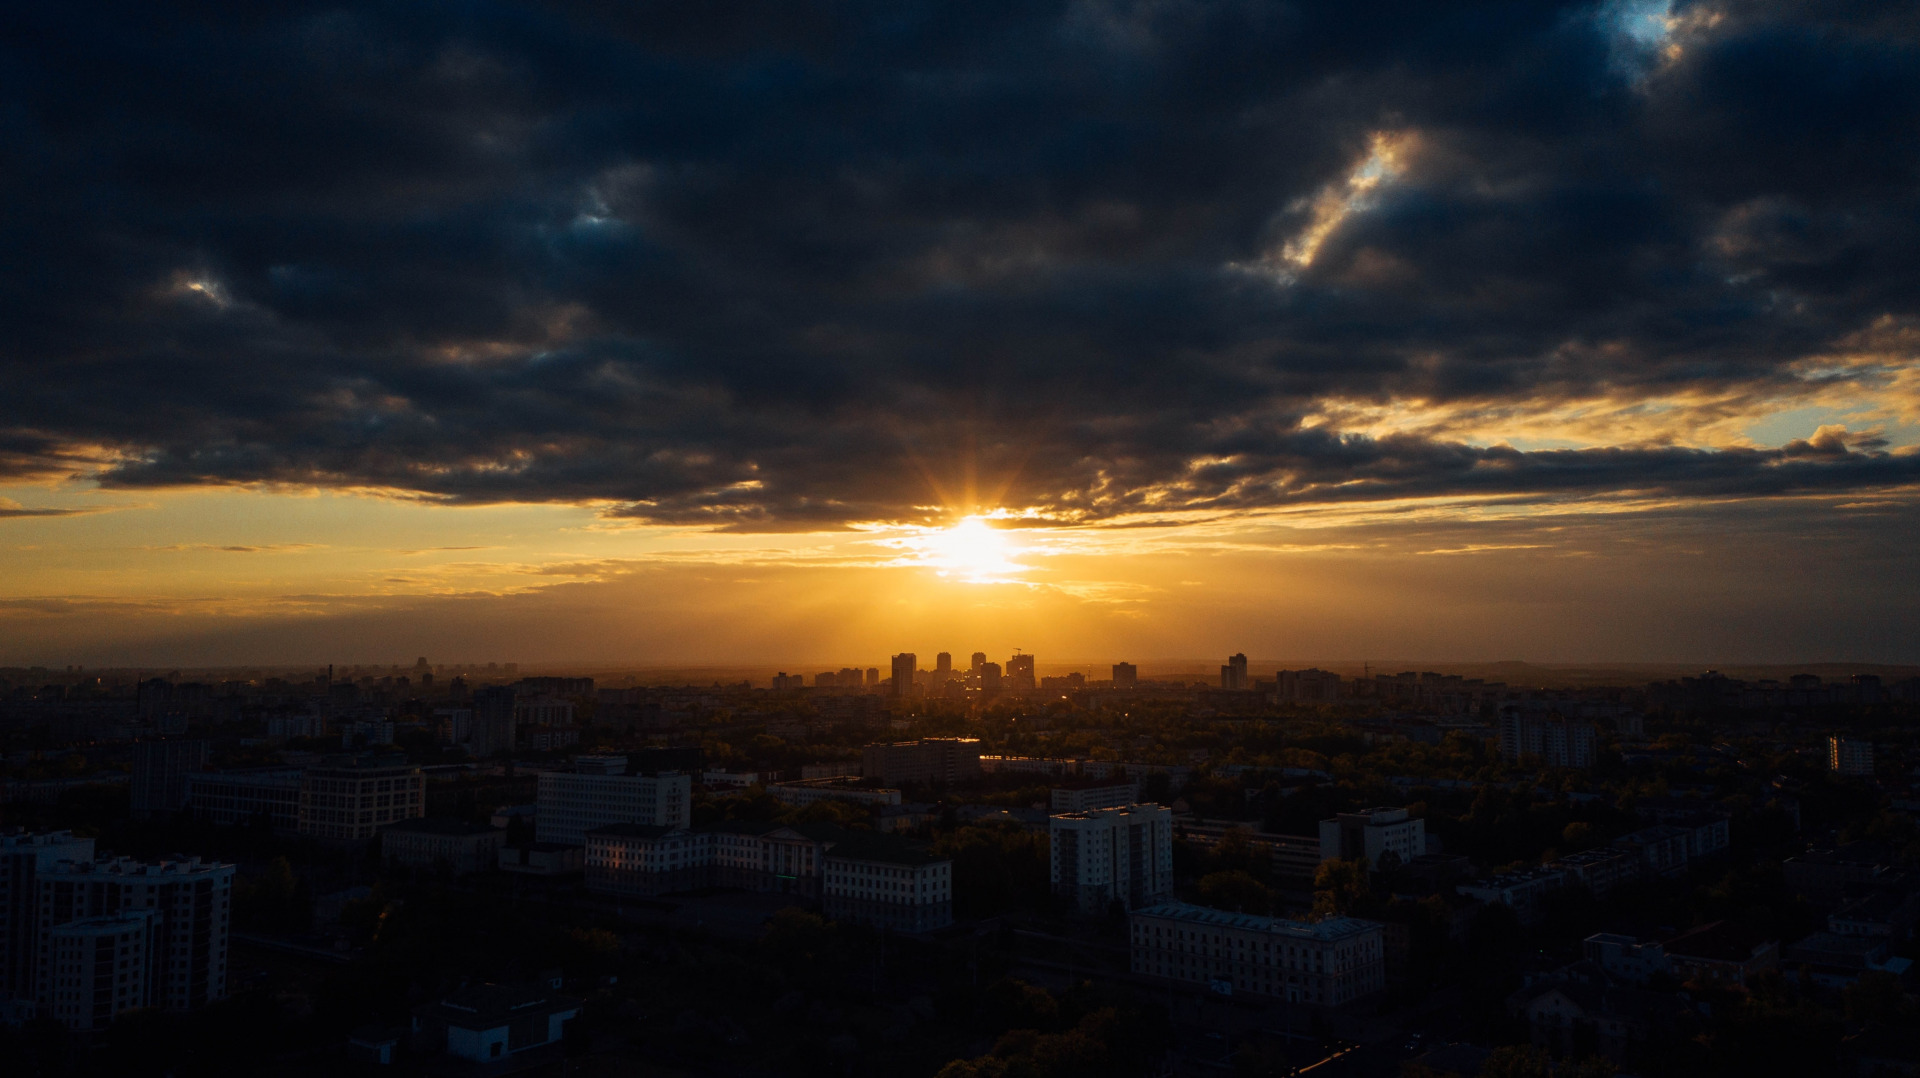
{"type": "Point", "coordinates": [23, 857]}
{"type": "Point", "coordinates": [160, 768]}
{"type": "Point", "coordinates": [1850, 756]}
{"type": "Point", "coordinates": [1106, 855]}
{"type": "Point", "coordinates": [97, 968]}
{"type": "Point", "coordinates": [191, 901]}
{"type": "Point", "coordinates": [602, 790]}
{"type": "Point", "coordinates": [1556, 741]}
{"type": "Point", "coordinates": [807, 791]}
{"type": "Point", "coordinates": [1088, 794]}
{"type": "Point", "coordinates": [1329, 963]}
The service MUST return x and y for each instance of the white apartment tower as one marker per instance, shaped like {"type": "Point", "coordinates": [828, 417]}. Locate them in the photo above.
{"type": "Point", "coordinates": [97, 968]}
{"type": "Point", "coordinates": [1113, 854]}
{"type": "Point", "coordinates": [191, 902]}
{"type": "Point", "coordinates": [23, 857]}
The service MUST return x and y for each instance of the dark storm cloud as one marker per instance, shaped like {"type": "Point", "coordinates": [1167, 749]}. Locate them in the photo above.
{"type": "Point", "coordinates": [783, 265]}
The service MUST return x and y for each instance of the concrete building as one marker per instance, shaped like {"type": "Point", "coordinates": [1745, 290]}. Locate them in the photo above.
{"type": "Point", "coordinates": [933, 759]}
{"type": "Point", "coordinates": [1295, 858]}
{"type": "Point", "coordinates": [427, 844]}
{"type": "Point", "coordinates": [1522, 892]}
{"type": "Point", "coordinates": [1849, 756]}
{"type": "Point", "coordinates": [603, 790]}
{"type": "Point", "coordinates": [1020, 674]}
{"type": "Point", "coordinates": [807, 791]}
{"type": "Point", "coordinates": [1371, 834]}
{"type": "Point", "coordinates": [1627, 958]}
{"type": "Point", "coordinates": [1112, 855]}
{"type": "Point", "coordinates": [1328, 963]}
{"type": "Point", "coordinates": [1314, 686]}
{"type": "Point", "coordinates": [350, 798]}
{"type": "Point", "coordinates": [247, 795]}
{"type": "Point", "coordinates": [160, 769]}
{"type": "Point", "coordinates": [23, 857]}
{"type": "Point", "coordinates": [1661, 850]}
{"type": "Point", "coordinates": [905, 666]}
{"type": "Point", "coordinates": [487, 1023]}
{"type": "Point", "coordinates": [192, 901]}
{"type": "Point", "coordinates": [1126, 676]}
{"type": "Point", "coordinates": [1556, 741]}
{"type": "Point", "coordinates": [97, 968]}
{"type": "Point", "coordinates": [885, 882]}
{"type": "Point", "coordinates": [1600, 870]}
{"type": "Point", "coordinates": [1233, 676]}
{"type": "Point", "coordinates": [1088, 794]}
{"type": "Point", "coordinates": [493, 727]}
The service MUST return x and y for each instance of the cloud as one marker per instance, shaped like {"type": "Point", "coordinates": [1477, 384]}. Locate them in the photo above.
{"type": "Point", "coordinates": [784, 267]}
{"type": "Point", "coordinates": [12, 510]}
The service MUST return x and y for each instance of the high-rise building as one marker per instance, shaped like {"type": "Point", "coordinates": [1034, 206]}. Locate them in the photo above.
{"type": "Point", "coordinates": [943, 668]}
{"type": "Point", "coordinates": [1557, 742]}
{"type": "Point", "coordinates": [1848, 756]}
{"type": "Point", "coordinates": [350, 798]}
{"type": "Point", "coordinates": [975, 661]}
{"type": "Point", "coordinates": [602, 790]}
{"type": "Point", "coordinates": [1112, 854]}
{"type": "Point", "coordinates": [191, 900]}
{"type": "Point", "coordinates": [905, 665]}
{"type": "Point", "coordinates": [97, 968]}
{"type": "Point", "coordinates": [23, 857]}
{"type": "Point", "coordinates": [1020, 673]}
{"type": "Point", "coordinates": [989, 677]}
{"type": "Point", "coordinates": [1370, 834]}
{"type": "Point", "coordinates": [493, 714]}
{"type": "Point", "coordinates": [159, 780]}
{"type": "Point", "coordinates": [873, 677]}
{"type": "Point", "coordinates": [1126, 676]}
{"type": "Point", "coordinates": [1234, 674]}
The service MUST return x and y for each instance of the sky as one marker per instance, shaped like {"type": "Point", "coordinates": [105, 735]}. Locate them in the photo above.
{"type": "Point", "coordinates": [794, 332]}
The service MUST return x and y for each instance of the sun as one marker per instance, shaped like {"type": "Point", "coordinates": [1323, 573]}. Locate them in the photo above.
{"type": "Point", "coordinates": [971, 550]}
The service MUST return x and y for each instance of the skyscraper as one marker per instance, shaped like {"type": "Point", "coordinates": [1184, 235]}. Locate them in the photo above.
{"type": "Point", "coordinates": [160, 775]}
{"type": "Point", "coordinates": [905, 665]}
{"type": "Point", "coordinates": [975, 662]}
{"type": "Point", "coordinates": [942, 668]}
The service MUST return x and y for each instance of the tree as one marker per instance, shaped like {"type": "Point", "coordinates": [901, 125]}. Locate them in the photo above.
{"type": "Point", "coordinates": [1517, 1061]}
{"type": "Point", "coordinates": [1338, 886]}
{"type": "Point", "coordinates": [1235, 890]}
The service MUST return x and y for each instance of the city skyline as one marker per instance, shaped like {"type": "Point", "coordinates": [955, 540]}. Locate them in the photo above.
{"type": "Point", "coordinates": [604, 336]}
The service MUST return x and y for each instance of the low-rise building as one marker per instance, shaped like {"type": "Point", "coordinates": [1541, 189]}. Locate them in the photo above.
{"type": "Point", "coordinates": [543, 859]}
{"type": "Point", "coordinates": [1329, 963]}
{"type": "Point", "coordinates": [490, 1022]}
{"type": "Point", "coordinates": [1522, 892]}
{"type": "Point", "coordinates": [428, 843]}
{"type": "Point", "coordinates": [349, 799]}
{"type": "Point", "coordinates": [885, 882]}
{"type": "Point", "coordinates": [1600, 870]}
{"type": "Point", "coordinates": [1087, 794]}
{"type": "Point", "coordinates": [1662, 850]}
{"type": "Point", "coordinates": [247, 795]}
{"type": "Point", "coordinates": [1296, 858]}
{"type": "Point", "coordinates": [1371, 834]}
{"type": "Point", "coordinates": [1721, 953]}
{"type": "Point", "coordinates": [807, 791]}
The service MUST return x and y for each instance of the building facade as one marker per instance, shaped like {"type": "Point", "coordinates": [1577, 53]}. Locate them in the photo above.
{"type": "Point", "coordinates": [1091, 794]}
{"type": "Point", "coordinates": [1371, 834]}
{"type": "Point", "coordinates": [426, 844]}
{"type": "Point", "coordinates": [190, 900]}
{"type": "Point", "coordinates": [1850, 756]}
{"type": "Point", "coordinates": [160, 769]}
{"type": "Point", "coordinates": [933, 759]}
{"type": "Point", "coordinates": [241, 797]}
{"type": "Point", "coordinates": [1328, 963]}
{"type": "Point", "coordinates": [1112, 855]}
{"type": "Point", "coordinates": [1556, 741]}
{"type": "Point", "coordinates": [97, 968]}
{"type": "Point", "coordinates": [23, 857]}
{"type": "Point", "coordinates": [599, 791]}
{"type": "Point", "coordinates": [352, 799]}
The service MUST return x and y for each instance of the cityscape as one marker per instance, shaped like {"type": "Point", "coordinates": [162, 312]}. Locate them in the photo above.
{"type": "Point", "coordinates": [957, 870]}
{"type": "Point", "coordinates": [1042, 539]}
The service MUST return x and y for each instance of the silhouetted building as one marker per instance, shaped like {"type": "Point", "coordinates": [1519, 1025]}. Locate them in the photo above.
{"type": "Point", "coordinates": [1234, 674]}
{"type": "Point", "coordinates": [1125, 676]}
{"type": "Point", "coordinates": [1556, 741]}
{"type": "Point", "coordinates": [905, 666]}
{"type": "Point", "coordinates": [1020, 674]}
{"type": "Point", "coordinates": [934, 759]}
{"type": "Point", "coordinates": [159, 781]}
{"type": "Point", "coordinates": [943, 668]}
{"type": "Point", "coordinates": [247, 795]}
{"type": "Point", "coordinates": [23, 857]}
{"type": "Point", "coordinates": [493, 716]}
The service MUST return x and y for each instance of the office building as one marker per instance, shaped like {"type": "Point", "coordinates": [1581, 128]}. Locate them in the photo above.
{"type": "Point", "coordinates": [1234, 674]}
{"type": "Point", "coordinates": [191, 901]}
{"type": "Point", "coordinates": [160, 769]}
{"type": "Point", "coordinates": [23, 857]}
{"type": "Point", "coordinates": [1556, 741]}
{"type": "Point", "coordinates": [350, 798]}
{"type": "Point", "coordinates": [933, 759]}
{"type": "Point", "coordinates": [905, 666]}
{"type": "Point", "coordinates": [1087, 794]}
{"type": "Point", "coordinates": [246, 796]}
{"type": "Point", "coordinates": [429, 844]}
{"type": "Point", "coordinates": [1328, 963]}
{"type": "Point", "coordinates": [493, 715]}
{"type": "Point", "coordinates": [1112, 855]}
{"type": "Point", "coordinates": [1371, 834]}
{"type": "Point", "coordinates": [1126, 676]}
{"type": "Point", "coordinates": [1850, 756]}
{"type": "Point", "coordinates": [1020, 674]}
{"type": "Point", "coordinates": [602, 790]}
{"type": "Point", "coordinates": [97, 968]}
